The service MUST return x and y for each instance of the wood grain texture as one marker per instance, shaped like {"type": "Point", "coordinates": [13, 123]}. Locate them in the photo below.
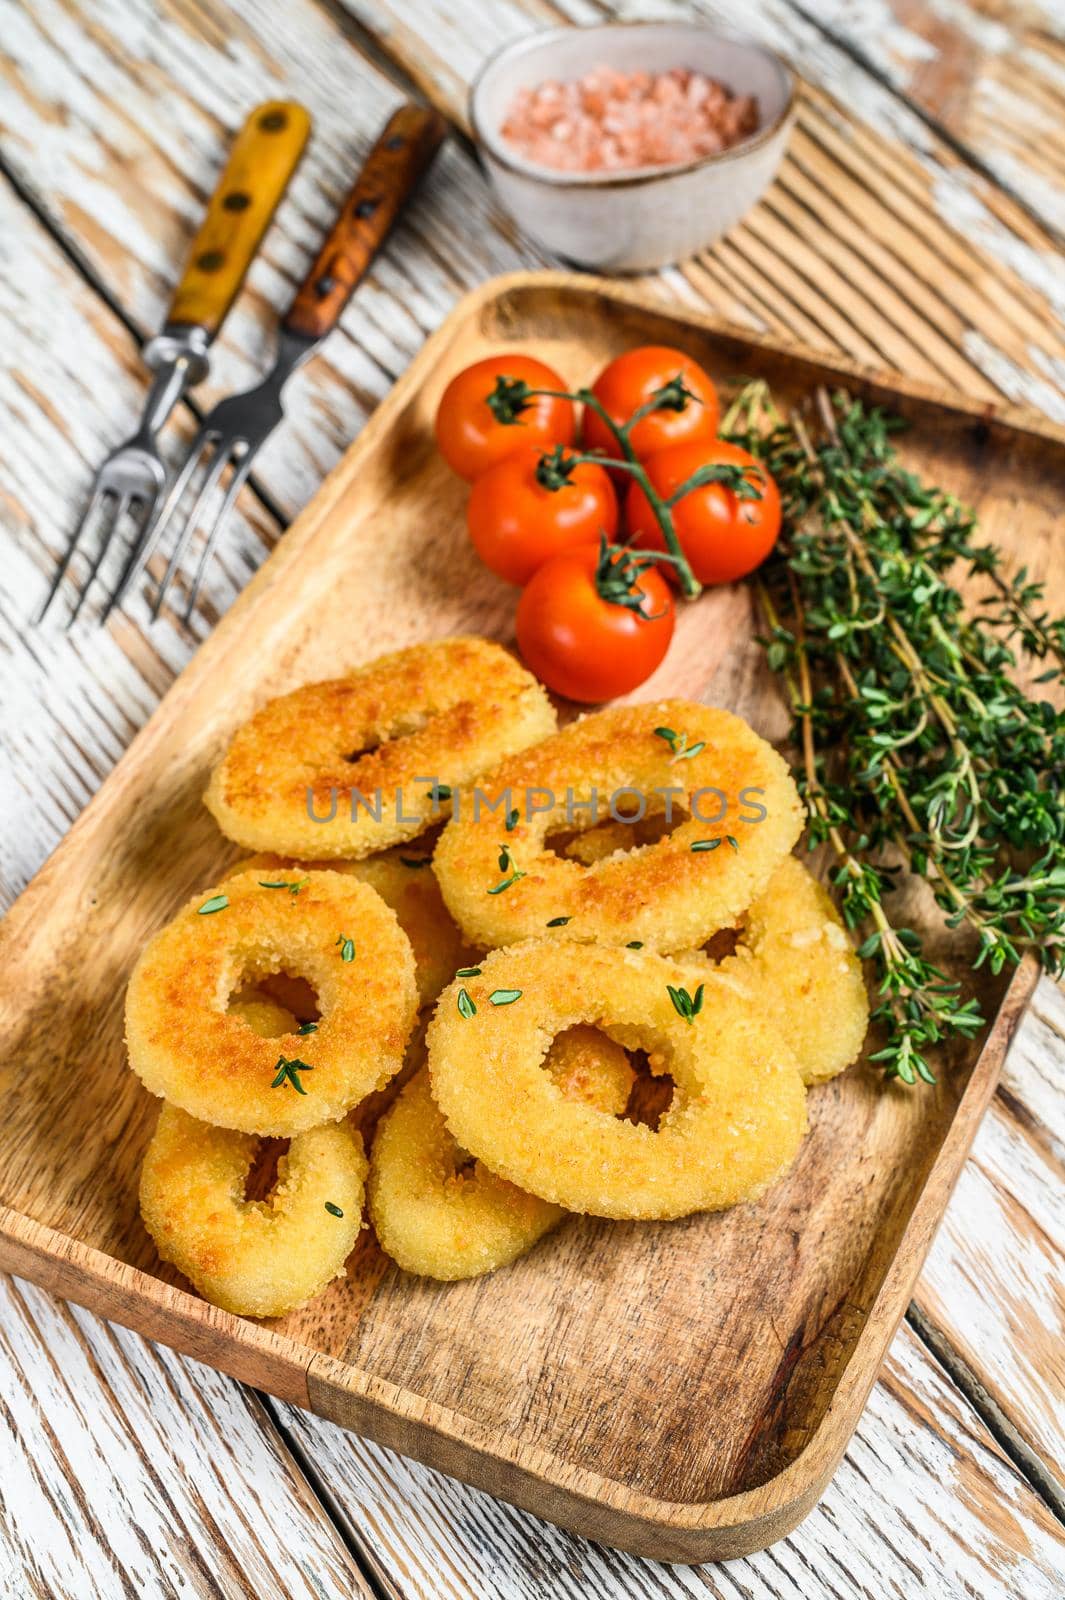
{"type": "Point", "coordinates": [127, 1470]}
{"type": "Point", "coordinates": [992, 76]}
{"type": "Point", "coordinates": [250, 187]}
{"type": "Point", "coordinates": [440, 1373]}
{"type": "Point", "coordinates": [399, 157]}
{"type": "Point", "coordinates": [878, 1531]}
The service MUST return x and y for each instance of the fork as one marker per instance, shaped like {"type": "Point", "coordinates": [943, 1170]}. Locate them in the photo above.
{"type": "Point", "coordinates": [237, 427]}
{"type": "Point", "coordinates": [133, 478]}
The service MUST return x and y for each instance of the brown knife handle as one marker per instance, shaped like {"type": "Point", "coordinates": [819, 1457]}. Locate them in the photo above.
{"type": "Point", "coordinates": [404, 150]}
{"type": "Point", "coordinates": [263, 157]}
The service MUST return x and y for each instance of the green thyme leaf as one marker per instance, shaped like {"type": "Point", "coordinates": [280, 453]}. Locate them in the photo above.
{"type": "Point", "coordinates": [684, 1004]}
{"type": "Point", "coordinates": [289, 1072]}
{"type": "Point", "coordinates": [706, 844]}
{"type": "Point", "coordinates": [307, 1027]}
{"type": "Point", "coordinates": [294, 886]}
{"type": "Point", "coordinates": [468, 972]}
{"type": "Point", "coordinates": [634, 944]}
{"type": "Point", "coordinates": [504, 997]}
{"type": "Point", "coordinates": [512, 819]}
{"type": "Point", "coordinates": [559, 922]}
{"type": "Point", "coordinates": [466, 1005]}
{"type": "Point", "coordinates": [334, 1211]}
{"type": "Point", "coordinates": [414, 862]}
{"type": "Point", "coordinates": [347, 947]}
{"type": "Point", "coordinates": [217, 902]}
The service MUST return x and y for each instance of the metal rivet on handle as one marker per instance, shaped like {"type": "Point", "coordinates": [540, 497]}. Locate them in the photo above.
{"type": "Point", "coordinates": [396, 142]}
{"type": "Point", "coordinates": [210, 261]}
{"type": "Point", "coordinates": [366, 208]}
{"type": "Point", "coordinates": [325, 286]}
{"type": "Point", "coordinates": [237, 201]}
{"type": "Point", "coordinates": [273, 121]}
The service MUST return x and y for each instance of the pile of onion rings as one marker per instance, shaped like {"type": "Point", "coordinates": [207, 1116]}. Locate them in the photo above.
{"type": "Point", "coordinates": [736, 815]}
{"type": "Point", "coordinates": [350, 766]}
{"type": "Point", "coordinates": [185, 1044]}
{"type": "Point", "coordinates": [600, 868]}
{"type": "Point", "coordinates": [438, 1214]}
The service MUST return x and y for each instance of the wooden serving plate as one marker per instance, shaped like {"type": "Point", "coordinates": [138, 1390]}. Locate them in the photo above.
{"type": "Point", "coordinates": [683, 1390]}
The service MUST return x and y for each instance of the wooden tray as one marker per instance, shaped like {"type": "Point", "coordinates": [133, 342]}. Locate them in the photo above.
{"type": "Point", "coordinates": [682, 1390]}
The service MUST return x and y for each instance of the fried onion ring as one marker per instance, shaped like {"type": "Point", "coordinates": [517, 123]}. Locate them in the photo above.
{"type": "Point", "coordinates": [338, 934]}
{"type": "Point", "coordinates": [669, 895]}
{"type": "Point", "coordinates": [794, 960]}
{"type": "Point", "coordinates": [405, 880]}
{"type": "Point", "coordinates": [435, 1218]}
{"type": "Point", "coordinates": [438, 712]}
{"type": "Point", "coordinates": [737, 1115]}
{"type": "Point", "coordinates": [258, 1258]}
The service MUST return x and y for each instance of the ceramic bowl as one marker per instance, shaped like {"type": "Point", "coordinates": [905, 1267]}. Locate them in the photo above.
{"type": "Point", "coordinates": [633, 221]}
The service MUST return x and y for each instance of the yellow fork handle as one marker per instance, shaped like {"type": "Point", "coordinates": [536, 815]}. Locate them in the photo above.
{"type": "Point", "coordinates": [263, 158]}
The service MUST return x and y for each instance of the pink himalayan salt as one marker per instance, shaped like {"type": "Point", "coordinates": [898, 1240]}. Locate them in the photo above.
{"type": "Point", "coordinates": [611, 121]}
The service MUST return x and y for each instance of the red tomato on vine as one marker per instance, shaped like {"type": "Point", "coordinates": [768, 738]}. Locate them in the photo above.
{"type": "Point", "coordinates": [631, 381]}
{"type": "Point", "coordinates": [726, 528]}
{"type": "Point", "coordinates": [531, 506]}
{"type": "Point", "coordinates": [470, 431]}
{"type": "Point", "coordinates": [595, 623]}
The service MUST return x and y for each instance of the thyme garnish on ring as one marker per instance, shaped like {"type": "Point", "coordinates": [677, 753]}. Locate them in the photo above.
{"type": "Point", "coordinates": [686, 1005]}
{"type": "Point", "coordinates": [217, 902]}
{"type": "Point", "coordinates": [347, 947]}
{"type": "Point", "coordinates": [289, 1072]}
{"type": "Point", "coordinates": [508, 866]}
{"type": "Point", "coordinates": [678, 743]}
{"type": "Point", "coordinates": [293, 887]}
{"type": "Point", "coordinates": [919, 751]}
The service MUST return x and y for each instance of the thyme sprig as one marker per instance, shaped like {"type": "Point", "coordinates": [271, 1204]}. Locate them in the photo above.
{"type": "Point", "coordinates": [918, 748]}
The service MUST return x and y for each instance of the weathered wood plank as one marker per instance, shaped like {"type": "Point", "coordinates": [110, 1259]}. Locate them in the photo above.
{"type": "Point", "coordinates": [126, 1470]}
{"type": "Point", "coordinates": [970, 299]}
{"type": "Point", "coordinates": [992, 76]}
{"type": "Point", "coordinates": [878, 1531]}
{"type": "Point", "coordinates": [995, 1277]}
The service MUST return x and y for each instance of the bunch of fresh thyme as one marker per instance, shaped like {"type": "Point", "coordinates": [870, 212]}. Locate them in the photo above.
{"type": "Point", "coordinates": [918, 749]}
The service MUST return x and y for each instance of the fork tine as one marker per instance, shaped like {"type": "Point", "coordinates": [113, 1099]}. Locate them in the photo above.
{"type": "Point", "coordinates": [233, 488]}
{"type": "Point", "coordinates": [151, 532]}
{"type": "Point", "coordinates": [185, 537]}
{"type": "Point", "coordinates": [96, 499]}
{"type": "Point", "coordinates": [109, 521]}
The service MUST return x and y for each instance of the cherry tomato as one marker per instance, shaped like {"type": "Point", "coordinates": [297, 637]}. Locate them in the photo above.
{"type": "Point", "coordinates": [469, 435]}
{"type": "Point", "coordinates": [584, 646]}
{"type": "Point", "coordinates": [723, 535]}
{"type": "Point", "coordinates": [630, 381]}
{"type": "Point", "coordinates": [517, 522]}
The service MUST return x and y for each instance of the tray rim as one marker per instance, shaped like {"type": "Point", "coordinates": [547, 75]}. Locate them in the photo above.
{"type": "Point", "coordinates": [592, 1505]}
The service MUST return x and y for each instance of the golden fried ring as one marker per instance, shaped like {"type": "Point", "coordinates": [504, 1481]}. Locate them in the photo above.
{"type": "Point", "coordinates": [442, 711]}
{"type": "Point", "coordinates": [186, 1046]}
{"type": "Point", "coordinates": [734, 1124]}
{"type": "Point", "coordinates": [258, 1258]}
{"type": "Point", "coordinates": [794, 960]}
{"type": "Point", "coordinates": [405, 880]}
{"type": "Point", "coordinates": [441, 1221]}
{"type": "Point", "coordinates": [669, 895]}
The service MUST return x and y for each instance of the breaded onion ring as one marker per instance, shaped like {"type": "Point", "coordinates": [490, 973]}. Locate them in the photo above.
{"type": "Point", "coordinates": [738, 1111]}
{"type": "Point", "coordinates": [795, 962]}
{"type": "Point", "coordinates": [441, 1221]}
{"type": "Point", "coordinates": [338, 934]}
{"type": "Point", "coordinates": [405, 880]}
{"type": "Point", "coordinates": [442, 712]}
{"type": "Point", "coordinates": [669, 895]}
{"type": "Point", "coordinates": [258, 1258]}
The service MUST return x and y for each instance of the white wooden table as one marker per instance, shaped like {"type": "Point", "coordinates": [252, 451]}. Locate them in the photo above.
{"type": "Point", "coordinates": [917, 224]}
